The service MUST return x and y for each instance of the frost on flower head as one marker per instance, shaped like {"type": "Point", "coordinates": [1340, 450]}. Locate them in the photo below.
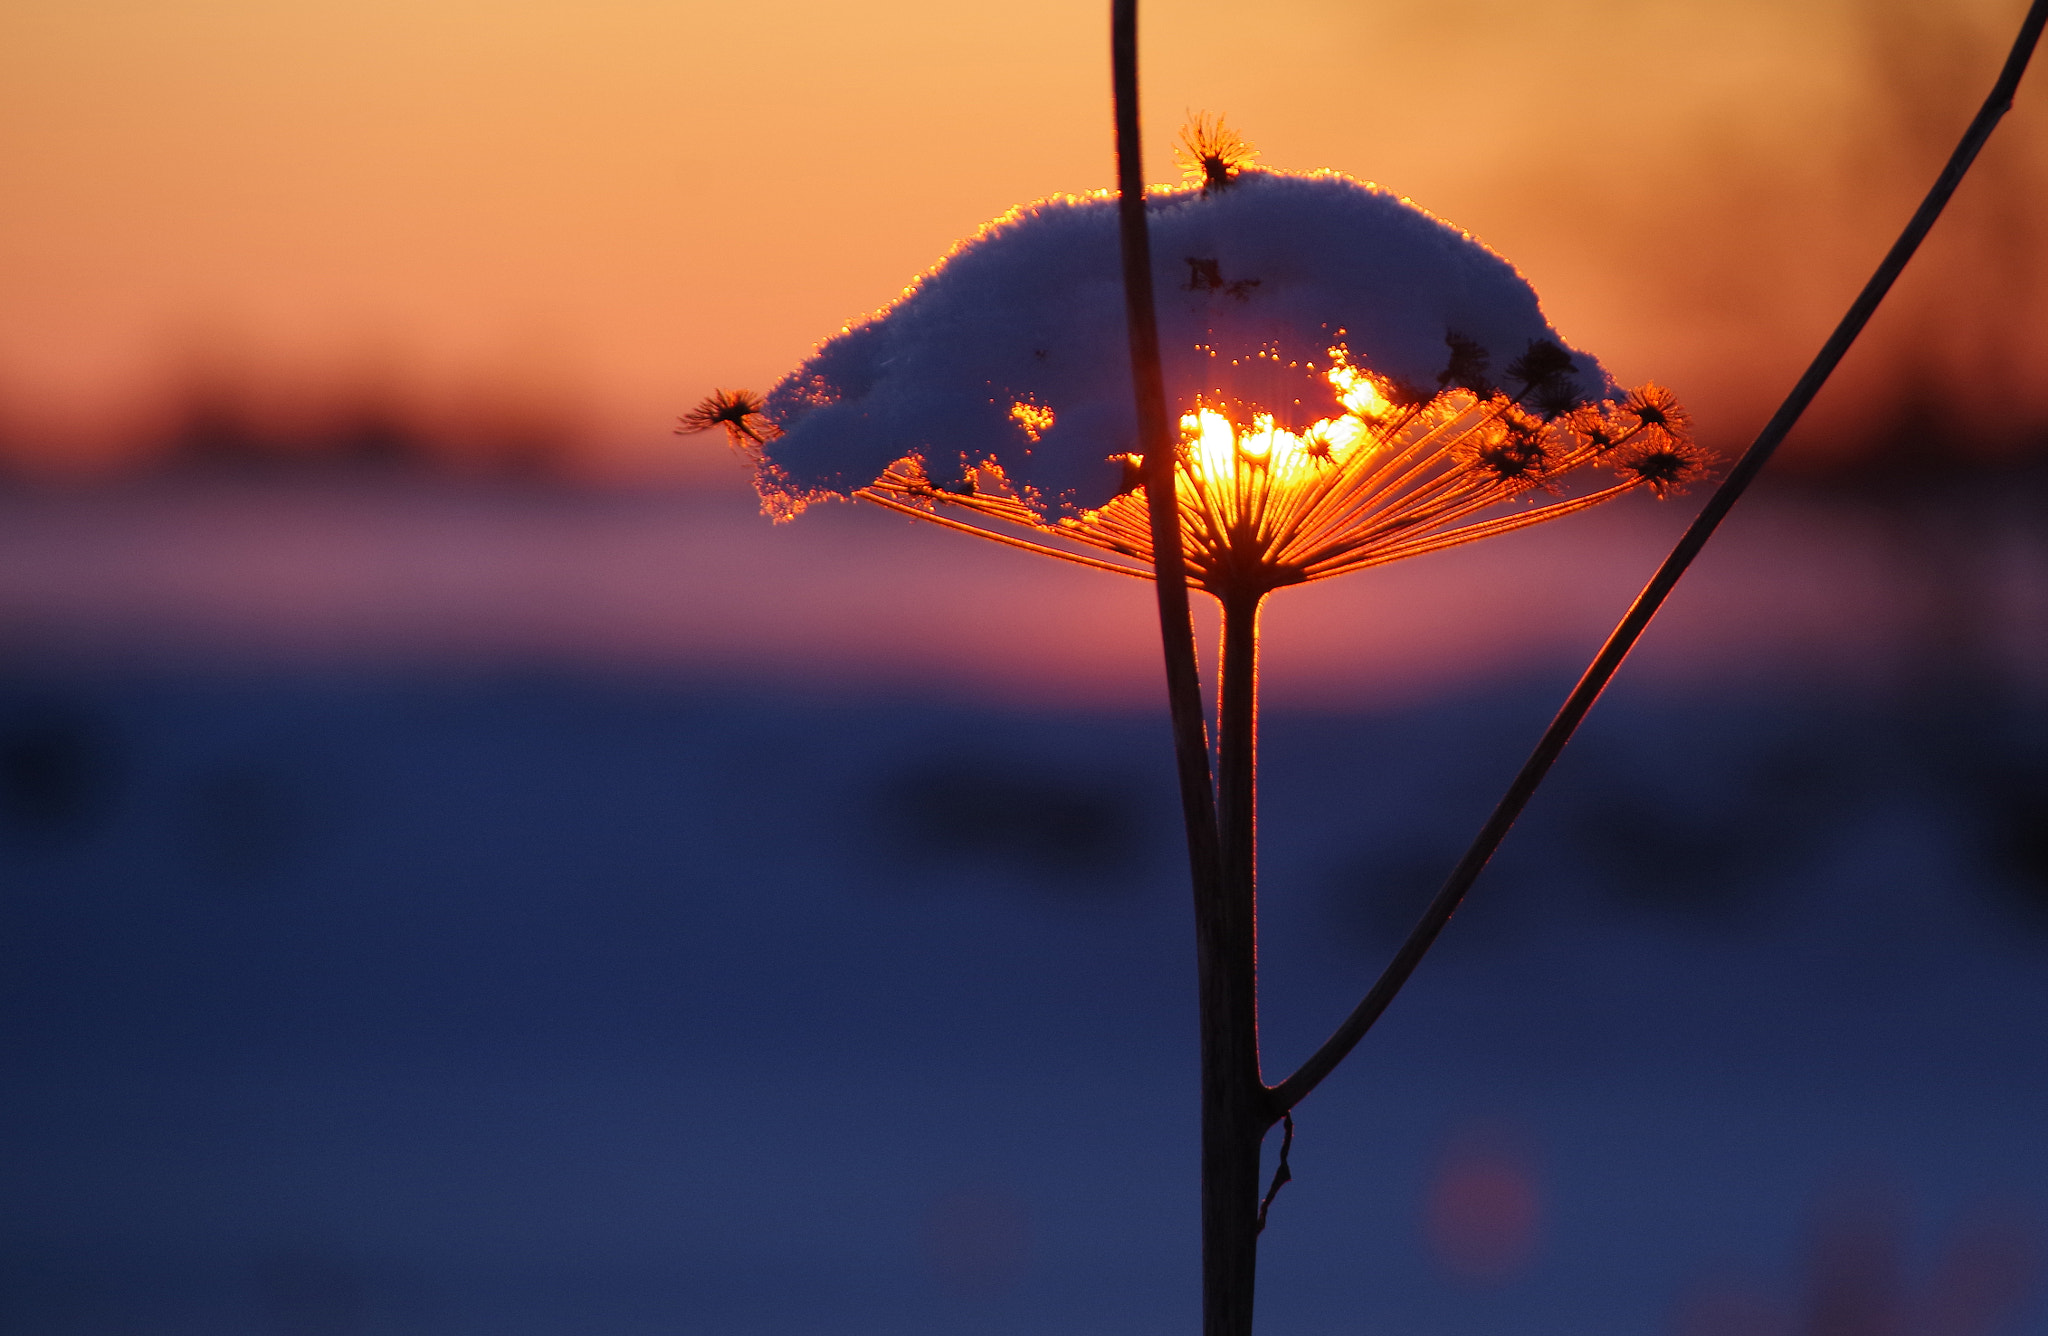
{"type": "Point", "coordinates": [1356, 381]}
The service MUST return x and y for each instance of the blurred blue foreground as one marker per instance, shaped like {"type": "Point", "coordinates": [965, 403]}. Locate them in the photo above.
{"type": "Point", "coordinates": [553, 1004]}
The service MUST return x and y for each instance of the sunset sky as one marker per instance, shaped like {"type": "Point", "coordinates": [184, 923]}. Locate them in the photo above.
{"type": "Point", "coordinates": [594, 212]}
{"type": "Point", "coordinates": [568, 221]}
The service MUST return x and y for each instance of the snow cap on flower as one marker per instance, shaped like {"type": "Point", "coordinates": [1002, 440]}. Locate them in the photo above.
{"type": "Point", "coordinates": [1013, 350]}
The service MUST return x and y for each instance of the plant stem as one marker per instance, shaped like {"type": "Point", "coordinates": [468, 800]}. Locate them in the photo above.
{"type": "Point", "coordinates": [1234, 1104]}
{"type": "Point", "coordinates": [1228, 1173]}
{"type": "Point", "coordinates": [1155, 440]}
{"type": "Point", "coordinates": [1637, 620]}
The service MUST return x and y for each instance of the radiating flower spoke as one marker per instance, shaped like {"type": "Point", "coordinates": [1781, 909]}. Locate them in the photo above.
{"type": "Point", "coordinates": [1308, 310]}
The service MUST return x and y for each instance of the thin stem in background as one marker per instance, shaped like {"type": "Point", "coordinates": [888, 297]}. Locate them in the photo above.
{"type": "Point", "coordinates": [1334, 1049]}
{"type": "Point", "coordinates": [1233, 1096]}
{"type": "Point", "coordinates": [1156, 443]}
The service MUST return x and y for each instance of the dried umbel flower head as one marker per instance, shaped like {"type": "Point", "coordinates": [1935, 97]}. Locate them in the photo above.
{"type": "Point", "coordinates": [740, 412]}
{"type": "Point", "coordinates": [1332, 351]}
{"type": "Point", "coordinates": [1210, 153]}
{"type": "Point", "coordinates": [1265, 506]}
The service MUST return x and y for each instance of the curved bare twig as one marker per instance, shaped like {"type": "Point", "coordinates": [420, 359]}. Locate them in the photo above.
{"type": "Point", "coordinates": [1340, 1043]}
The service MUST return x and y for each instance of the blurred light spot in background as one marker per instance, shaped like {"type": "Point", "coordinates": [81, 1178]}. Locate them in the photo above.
{"type": "Point", "coordinates": [1483, 1212]}
{"type": "Point", "coordinates": [1857, 1274]}
{"type": "Point", "coordinates": [978, 1239]}
{"type": "Point", "coordinates": [1987, 1272]}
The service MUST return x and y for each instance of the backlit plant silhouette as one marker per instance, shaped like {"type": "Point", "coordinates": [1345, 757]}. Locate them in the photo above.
{"type": "Point", "coordinates": [1312, 396]}
{"type": "Point", "coordinates": [1337, 409]}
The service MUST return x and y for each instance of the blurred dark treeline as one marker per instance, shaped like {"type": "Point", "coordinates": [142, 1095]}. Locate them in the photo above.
{"type": "Point", "coordinates": [228, 425]}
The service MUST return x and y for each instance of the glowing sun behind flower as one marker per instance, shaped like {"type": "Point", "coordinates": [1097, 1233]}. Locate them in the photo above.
{"type": "Point", "coordinates": [1328, 347]}
{"type": "Point", "coordinates": [1265, 506]}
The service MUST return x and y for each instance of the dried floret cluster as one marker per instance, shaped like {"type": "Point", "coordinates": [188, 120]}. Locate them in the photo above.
{"type": "Point", "coordinates": [1210, 153]}
{"type": "Point", "coordinates": [1328, 344]}
{"type": "Point", "coordinates": [1388, 473]}
{"type": "Point", "coordinates": [1264, 507]}
{"type": "Point", "coordinates": [738, 411]}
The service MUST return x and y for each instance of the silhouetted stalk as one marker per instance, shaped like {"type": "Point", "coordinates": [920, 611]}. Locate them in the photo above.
{"type": "Point", "coordinates": [1234, 1100]}
{"type": "Point", "coordinates": [1156, 444]}
{"type": "Point", "coordinates": [1334, 1049]}
{"type": "Point", "coordinates": [1232, 1094]}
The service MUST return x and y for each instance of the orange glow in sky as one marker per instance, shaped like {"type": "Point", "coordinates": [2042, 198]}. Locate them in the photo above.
{"type": "Point", "coordinates": [599, 209]}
